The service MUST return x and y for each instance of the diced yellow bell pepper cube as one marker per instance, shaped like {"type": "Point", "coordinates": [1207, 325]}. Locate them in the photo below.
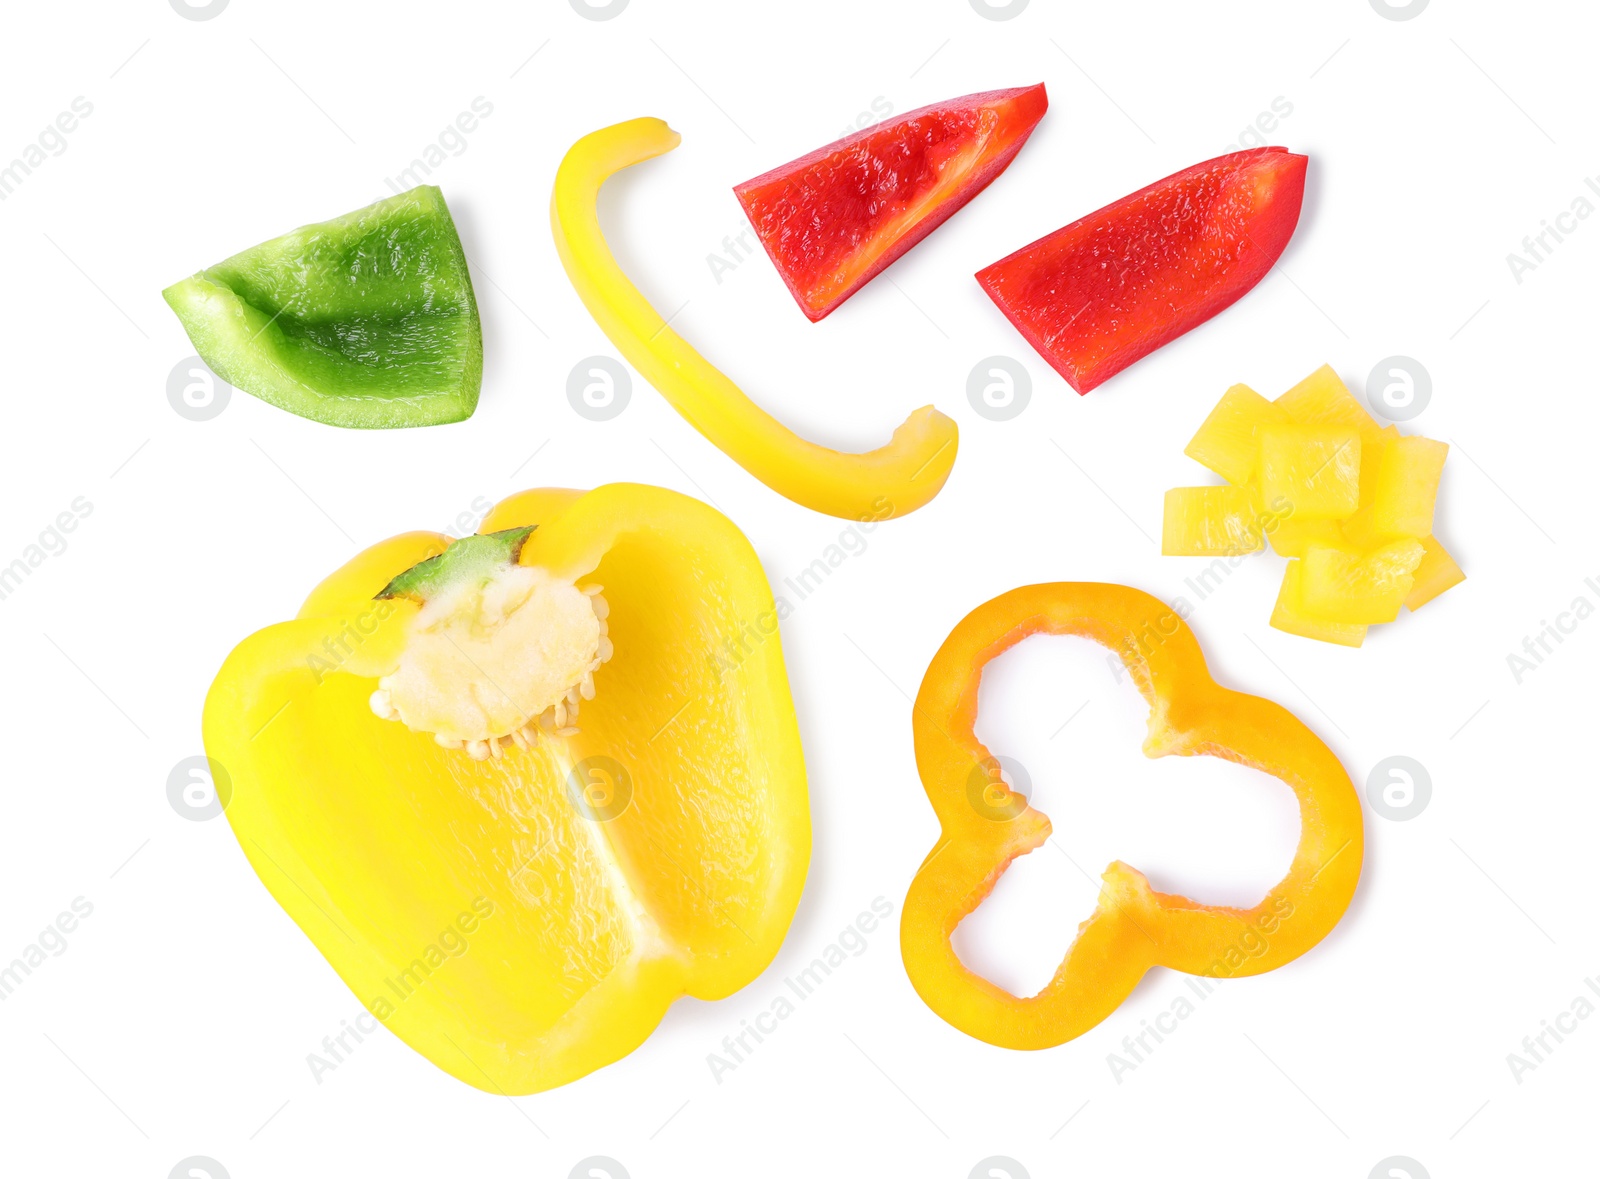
{"type": "Point", "coordinates": [1229, 441]}
{"type": "Point", "coordinates": [1360, 533]}
{"type": "Point", "coordinates": [1347, 585]}
{"type": "Point", "coordinates": [1407, 485]}
{"type": "Point", "coordinates": [1437, 573]}
{"type": "Point", "coordinates": [1349, 501]}
{"type": "Point", "coordinates": [1289, 615]}
{"type": "Point", "coordinates": [1291, 537]}
{"type": "Point", "coordinates": [1315, 471]}
{"type": "Point", "coordinates": [1322, 400]}
{"type": "Point", "coordinates": [1402, 493]}
{"type": "Point", "coordinates": [1210, 522]}
{"type": "Point", "coordinates": [1372, 449]}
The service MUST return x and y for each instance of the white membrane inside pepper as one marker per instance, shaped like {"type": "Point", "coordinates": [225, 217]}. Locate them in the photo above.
{"type": "Point", "coordinates": [483, 660]}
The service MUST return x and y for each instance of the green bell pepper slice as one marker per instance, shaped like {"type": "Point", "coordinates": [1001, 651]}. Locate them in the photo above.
{"type": "Point", "coordinates": [366, 321]}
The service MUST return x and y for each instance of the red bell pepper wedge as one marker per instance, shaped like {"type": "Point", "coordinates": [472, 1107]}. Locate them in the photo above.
{"type": "Point", "coordinates": [833, 219]}
{"type": "Point", "coordinates": [1114, 286]}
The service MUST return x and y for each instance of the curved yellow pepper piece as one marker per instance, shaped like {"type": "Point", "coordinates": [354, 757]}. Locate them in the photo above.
{"type": "Point", "coordinates": [472, 906]}
{"type": "Point", "coordinates": [984, 825]}
{"type": "Point", "coordinates": [890, 481]}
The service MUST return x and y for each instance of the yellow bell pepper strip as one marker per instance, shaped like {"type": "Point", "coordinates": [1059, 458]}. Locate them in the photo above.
{"type": "Point", "coordinates": [521, 905]}
{"type": "Point", "coordinates": [905, 474]}
{"type": "Point", "coordinates": [984, 825]}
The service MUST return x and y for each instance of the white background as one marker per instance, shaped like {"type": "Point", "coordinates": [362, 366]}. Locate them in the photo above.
{"type": "Point", "coordinates": [178, 1019]}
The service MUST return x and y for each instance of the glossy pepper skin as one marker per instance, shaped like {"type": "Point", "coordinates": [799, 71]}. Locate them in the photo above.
{"type": "Point", "coordinates": [906, 473]}
{"type": "Point", "coordinates": [586, 922]}
{"type": "Point", "coordinates": [835, 217]}
{"type": "Point", "coordinates": [984, 825]}
{"type": "Point", "coordinates": [1097, 295]}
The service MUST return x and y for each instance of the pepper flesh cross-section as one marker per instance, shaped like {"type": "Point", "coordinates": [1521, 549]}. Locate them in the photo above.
{"type": "Point", "coordinates": [518, 815]}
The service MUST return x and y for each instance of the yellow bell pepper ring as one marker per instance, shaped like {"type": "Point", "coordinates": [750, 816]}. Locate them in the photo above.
{"type": "Point", "coordinates": [906, 473]}
{"type": "Point", "coordinates": [508, 792]}
{"type": "Point", "coordinates": [984, 825]}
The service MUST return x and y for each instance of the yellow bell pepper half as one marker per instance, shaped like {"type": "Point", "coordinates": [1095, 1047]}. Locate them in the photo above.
{"type": "Point", "coordinates": [905, 474]}
{"type": "Point", "coordinates": [984, 825]}
{"type": "Point", "coordinates": [525, 919]}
